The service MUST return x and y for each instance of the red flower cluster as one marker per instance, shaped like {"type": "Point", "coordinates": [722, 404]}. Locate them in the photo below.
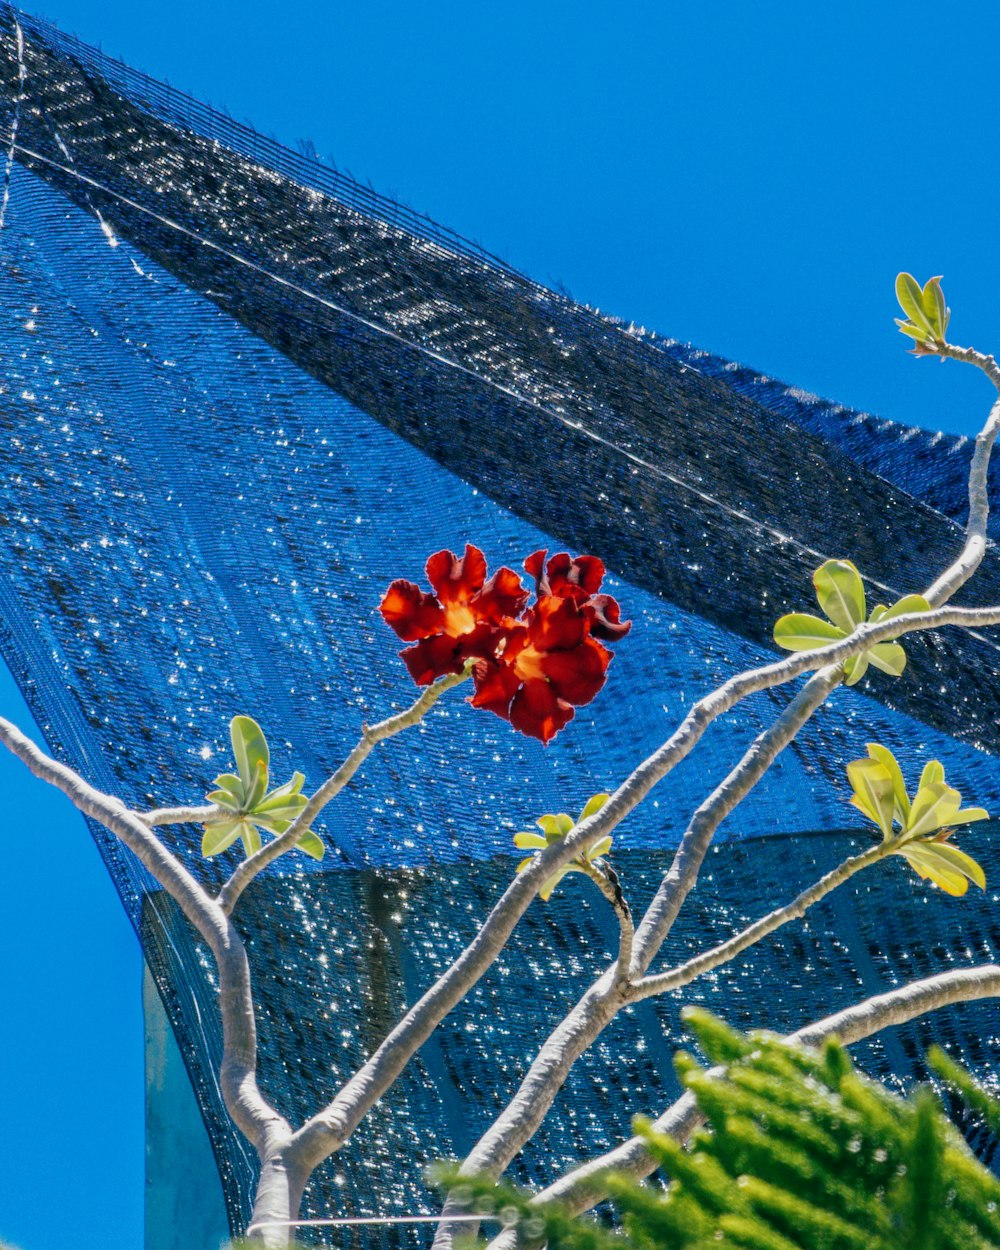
{"type": "Point", "coordinates": [533, 664]}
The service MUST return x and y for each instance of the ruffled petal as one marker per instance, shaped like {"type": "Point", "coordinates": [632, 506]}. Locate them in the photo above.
{"type": "Point", "coordinates": [410, 612]}
{"type": "Point", "coordinates": [538, 712]}
{"type": "Point", "coordinates": [502, 596]}
{"type": "Point", "coordinates": [496, 685]}
{"type": "Point", "coordinates": [534, 566]}
{"type": "Point", "coordinates": [431, 658]}
{"type": "Point", "coordinates": [605, 618]}
{"type": "Point", "coordinates": [457, 580]}
{"type": "Point", "coordinates": [556, 624]}
{"type": "Point", "coordinates": [574, 578]}
{"type": "Point", "coordinates": [577, 675]}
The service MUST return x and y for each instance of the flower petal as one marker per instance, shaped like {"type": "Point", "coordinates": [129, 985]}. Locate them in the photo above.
{"type": "Point", "coordinates": [578, 674]}
{"type": "Point", "coordinates": [537, 712]}
{"type": "Point", "coordinates": [605, 618]}
{"type": "Point", "coordinates": [457, 580]}
{"type": "Point", "coordinates": [574, 578]}
{"type": "Point", "coordinates": [411, 612]}
{"type": "Point", "coordinates": [502, 596]}
{"type": "Point", "coordinates": [496, 685]}
{"type": "Point", "coordinates": [432, 658]}
{"type": "Point", "coordinates": [556, 624]}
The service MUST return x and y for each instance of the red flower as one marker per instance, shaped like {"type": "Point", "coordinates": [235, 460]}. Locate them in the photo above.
{"type": "Point", "coordinates": [465, 619]}
{"type": "Point", "coordinates": [533, 666]}
{"type": "Point", "coordinates": [579, 579]}
{"type": "Point", "coordinates": [547, 666]}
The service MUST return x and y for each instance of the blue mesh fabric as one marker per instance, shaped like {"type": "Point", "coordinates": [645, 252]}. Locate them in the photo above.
{"type": "Point", "coordinates": [240, 395]}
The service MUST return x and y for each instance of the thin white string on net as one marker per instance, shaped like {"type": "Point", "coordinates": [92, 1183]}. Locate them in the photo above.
{"type": "Point", "coordinates": [374, 1219]}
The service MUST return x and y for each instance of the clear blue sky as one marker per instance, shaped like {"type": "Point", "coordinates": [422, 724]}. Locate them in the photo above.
{"type": "Point", "coordinates": [749, 177]}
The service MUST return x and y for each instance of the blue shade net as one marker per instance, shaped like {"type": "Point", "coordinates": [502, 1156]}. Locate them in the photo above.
{"type": "Point", "coordinates": [239, 395]}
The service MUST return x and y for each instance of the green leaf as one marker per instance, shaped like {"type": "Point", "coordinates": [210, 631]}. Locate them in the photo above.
{"type": "Point", "coordinates": [280, 801]}
{"type": "Point", "coordinates": [219, 836]}
{"type": "Point", "coordinates": [534, 840]}
{"type": "Point", "coordinates": [915, 332]}
{"type": "Point", "coordinates": [933, 771]}
{"type": "Point", "coordinates": [311, 844]}
{"type": "Point", "coordinates": [932, 301]}
{"type": "Point", "coordinates": [934, 805]}
{"type": "Point", "coordinates": [873, 792]}
{"type": "Point", "coordinates": [887, 656]}
{"type": "Point", "coordinates": [555, 826]}
{"type": "Point", "coordinates": [969, 814]}
{"type": "Point", "coordinates": [223, 798]}
{"type": "Point", "coordinates": [599, 848]}
{"type": "Point", "coordinates": [889, 762]}
{"type": "Point", "coordinates": [841, 593]}
{"type": "Point", "coordinates": [911, 300]}
{"type": "Point", "coordinates": [593, 804]}
{"type": "Point", "coordinates": [855, 668]}
{"type": "Point", "coordinates": [800, 631]}
{"type": "Point", "coordinates": [928, 863]}
{"type": "Point", "coordinates": [233, 785]}
{"type": "Point", "coordinates": [290, 790]}
{"type": "Point", "coordinates": [259, 786]}
{"type": "Point", "coordinates": [249, 748]}
{"type": "Point", "coordinates": [902, 607]}
{"type": "Point", "coordinates": [250, 838]}
{"type": "Point", "coordinates": [545, 893]}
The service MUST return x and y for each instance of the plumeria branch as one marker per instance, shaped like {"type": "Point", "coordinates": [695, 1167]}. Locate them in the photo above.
{"type": "Point", "coordinates": [371, 736]}
{"type": "Point", "coordinates": [244, 1101]}
{"type": "Point", "coordinates": [584, 1187]}
{"type": "Point", "coordinates": [538, 1090]}
{"type": "Point", "coordinates": [181, 815]}
{"type": "Point", "coordinates": [684, 974]}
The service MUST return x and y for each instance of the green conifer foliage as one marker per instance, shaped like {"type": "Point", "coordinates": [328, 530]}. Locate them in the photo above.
{"type": "Point", "coordinates": [801, 1152]}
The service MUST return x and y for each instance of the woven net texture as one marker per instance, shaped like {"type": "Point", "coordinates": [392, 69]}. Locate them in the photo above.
{"type": "Point", "coordinates": [239, 395]}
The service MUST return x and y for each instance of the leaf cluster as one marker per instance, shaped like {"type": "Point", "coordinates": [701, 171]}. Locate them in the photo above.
{"type": "Point", "coordinates": [246, 805]}
{"type": "Point", "coordinates": [927, 315]}
{"type": "Point", "coordinates": [924, 822]}
{"type": "Point", "coordinates": [840, 593]}
{"type": "Point", "coordinates": [556, 827]}
{"type": "Point", "coordinates": [803, 1153]}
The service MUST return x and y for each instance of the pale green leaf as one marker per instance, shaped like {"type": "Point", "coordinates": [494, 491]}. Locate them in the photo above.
{"type": "Point", "coordinates": [223, 798]}
{"type": "Point", "coordinates": [932, 300]}
{"type": "Point", "coordinates": [281, 800]}
{"type": "Point", "coordinates": [887, 656]}
{"type": "Point", "coordinates": [290, 791]}
{"type": "Point", "coordinates": [915, 332]}
{"type": "Point", "coordinates": [250, 837]}
{"type": "Point", "coordinates": [801, 631]}
{"type": "Point", "coordinates": [219, 836]}
{"type": "Point", "coordinates": [526, 839]}
{"type": "Point", "coordinates": [545, 893]}
{"type": "Point", "coordinates": [888, 761]}
{"type": "Point", "coordinates": [969, 814]}
{"type": "Point", "coordinates": [911, 300]}
{"type": "Point", "coordinates": [959, 861]}
{"type": "Point", "coordinates": [233, 785]}
{"type": "Point", "coordinates": [877, 612]}
{"type": "Point", "coordinates": [311, 844]}
{"type": "Point", "coordinates": [249, 748]}
{"type": "Point", "coordinates": [556, 826]}
{"type": "Point", "coordinates": [855, 668]}
{"type": "Point", "coordinates": [873, 792]}
{"type": "Point", "coordinates": [840, 593]}
{"type": "Point", "coordinates": [259, 787]}
{"type": "Point", "coordinates": [933, 771]}
{"type": "Point", "coordinates": [925, 860]}
{"type": "Point", "coordinates": [934, 805]}
{"type": "Point", "coordinates": [906, 605]}
{"type": "Point", "coordinates": [593, 804]}
{"type": "Point", "coordinates": [524, 863]}
{"type": "Point", "coordinates": [599, 849]}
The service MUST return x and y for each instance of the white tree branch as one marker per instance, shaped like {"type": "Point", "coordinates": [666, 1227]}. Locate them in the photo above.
{"type": "Point", "coordinates": [583, 1187]}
